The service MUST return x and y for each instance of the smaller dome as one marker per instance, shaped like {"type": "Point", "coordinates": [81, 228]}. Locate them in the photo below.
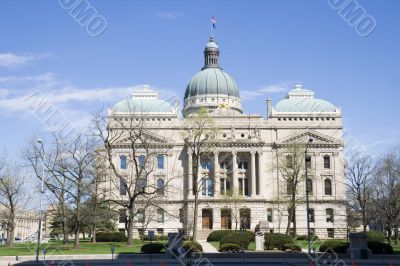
{"type": "Point", "coordinates": [300, 100]}
{"type": "Point", "coordinates": [144, 100]}
{"type": "Point", "coordinates": [211, 45]}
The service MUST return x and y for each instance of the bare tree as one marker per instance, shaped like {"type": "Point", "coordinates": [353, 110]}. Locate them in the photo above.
{"type": "Point", "coordinates": [131, 187]}
{"type": "Point", "coordinates": [359, 173]}
{"type": "Point", "coordinates": [199, 134]}
{"type": "Point", "coordinates": [387, 190]}
{"type": "Point", "coordinates": [57, 184]}
{"type": "Point", "coordinates": [11, 195]}
{"type": "Point", "coordinates": [291, 166]}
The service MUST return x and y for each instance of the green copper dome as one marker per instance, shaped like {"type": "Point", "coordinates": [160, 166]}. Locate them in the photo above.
{"type": "Point", "coordinates": [300, 100]}
{"type": "Point", "coordinates": [212, 81]}
{"type": "Point", "coordinates": [144, 101]}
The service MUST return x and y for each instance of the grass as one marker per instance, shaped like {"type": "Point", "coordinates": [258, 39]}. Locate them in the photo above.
{"type": "Point", "coordinates": [304, 244]}
{"type": "Point", "coordinates": [57, 248]}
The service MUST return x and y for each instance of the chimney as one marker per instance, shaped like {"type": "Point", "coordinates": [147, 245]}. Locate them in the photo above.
{"type": "Point", "coordinates": [269, 107]}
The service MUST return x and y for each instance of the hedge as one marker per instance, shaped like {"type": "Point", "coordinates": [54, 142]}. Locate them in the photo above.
{"type": "Point", "coordinates": [156, 238]}
{"type": "Point", "coordinates": [331, 246]}
{"type": "Point", "coordinates": [192, 247]}
{"type": "Point", "coordinates": [238, 238]}
{"type": "Point", "coordinates": [217, 235]}
{"type": "Point", "coordinates": [305, 237]}
{"type": "Point", "coordinates": [229, 247]}
{"type": "Point", "coordinates": [376, 236]}
{"type": "Point", "coordinates": [292, 247]}
{"type": "Point", "coordinates": [277, 240]}
{"type": "Point", "coordinates": [111, 237]}
{"type": "Point", "coordinates": [152, 248]}
{"type": "Point", "coordinates": [380, 248]}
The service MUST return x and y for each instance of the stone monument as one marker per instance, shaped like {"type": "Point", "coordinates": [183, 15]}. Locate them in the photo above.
{"type": "Point", "coordinates": [358, 246]}
{"type": "Point", "coordinates": [259, 241]}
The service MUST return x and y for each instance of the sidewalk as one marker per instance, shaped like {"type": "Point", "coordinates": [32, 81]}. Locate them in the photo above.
{"type": "Point", "coordinates": [207, 247]}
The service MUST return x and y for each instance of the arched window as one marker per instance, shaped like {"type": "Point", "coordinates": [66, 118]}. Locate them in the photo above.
{"type": "Point", "coordinates": [160, 215]}
{"type": "Point", "coordinates": [160, 162]}
{"type": "Point", "coordinates": [328, 186]}
{"type": "Point", "coordinates": [122, 160]}
{"type": "Point", "coordinates": [269, 215]}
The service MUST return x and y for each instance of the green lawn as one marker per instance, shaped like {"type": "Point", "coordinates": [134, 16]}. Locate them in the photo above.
{"type": "Point", "coordinates": [57, 248]}
{"type": "Point", "coordinates": [304, 244]}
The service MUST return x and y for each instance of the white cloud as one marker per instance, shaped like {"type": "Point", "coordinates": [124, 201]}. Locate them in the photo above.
{"type": "Point", "coordinates": [9, 60]}
{"type": "Point", "coordinates": [46, 77]}
{"type": "Point", "coordinates": [168, 14]}
{"type": "Point", "coordinates": [248, 95]}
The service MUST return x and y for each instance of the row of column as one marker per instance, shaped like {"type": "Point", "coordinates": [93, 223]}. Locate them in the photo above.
{"type": "Point", "coordinates": [216, 169]}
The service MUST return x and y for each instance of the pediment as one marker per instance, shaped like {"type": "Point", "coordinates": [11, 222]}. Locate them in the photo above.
{"type": "Point", "coordinates": [305, 135]}
{"type": "Point", "coordinates": [151, 138]}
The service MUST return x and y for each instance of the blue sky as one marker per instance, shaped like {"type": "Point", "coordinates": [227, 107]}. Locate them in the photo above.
{"type": "Point", "coordinates": [267, 46]}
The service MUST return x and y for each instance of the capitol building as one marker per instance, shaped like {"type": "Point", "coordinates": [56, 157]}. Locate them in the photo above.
{"type": "Point", "coordinates": [241, 183]}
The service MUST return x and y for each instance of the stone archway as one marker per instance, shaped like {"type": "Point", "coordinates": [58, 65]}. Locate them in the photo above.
{"type": "Point", "coordinates": [226, 218]}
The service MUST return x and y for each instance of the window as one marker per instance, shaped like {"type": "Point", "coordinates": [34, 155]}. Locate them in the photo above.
{"type": "Point", "coordinates": [122, 216]}
{"type": "Point", "coordinates": [142, 183]}
{"type": "Point", "coordinates": [206, 165]}
{"type": "Point", "coordinates": [122, 187]}
{"type": "Point", "coordinates": [311, 217]}
{"type": "Point", "coordinates": [331, 232]}
{"type": "Point", "coordinates": [122, 160]}
{"type": "Point", "coordinates": [207, 187]}
{"type": "Point", "coordinates": [289, 186]}
{"type": "Point", "coordinates": [308, 162]}
{"type": "Point", "coordinates": [160, 186]}
{"type": "Point", "coordinates": [269, 215]}
{"type": "Point", "coordinates": [309, 186]}
{"type": "Point", "coordinates": [327, 162]}
{"type": "Point", "coordinates": [245, 215]}
{"type": "Point", "coordinates": [243, 186]}
{"type": "Point", "coordinates": [160, 231]}
{"type": "Point", "coordinates": [289, 162]}
{"type": "Point", "coordinates": [243, 165]}
{"type": "Point", "coordinates": [329, 215]}
{"type": "Point", "coordinates": [141, 216]}
{"type": "Point", "coordinates": [328, 187]}
{"type": "Point", "coordinates": [141, 161]}
{"type": "Point", "coordinates": [160, 215]}
{"type": "Point", "coordinates": [160, 162]}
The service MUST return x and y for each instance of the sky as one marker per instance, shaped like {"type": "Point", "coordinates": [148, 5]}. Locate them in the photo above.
{"type": "Point", "coordinates": [47, 52]}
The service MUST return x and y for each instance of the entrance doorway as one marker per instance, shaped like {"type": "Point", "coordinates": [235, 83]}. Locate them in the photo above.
{"type": "Point", "coordinates": [226, 219]}
{"type": "Point", "coordinates": [207, 220]}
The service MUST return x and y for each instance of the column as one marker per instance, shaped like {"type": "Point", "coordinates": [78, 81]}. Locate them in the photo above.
{"type": "Point", "coordinates": [216, 175]}
{"type": "Point", "coordinates": [235, 183]}
{"type": "Point", "coordinates": [190, 173]}
{"type": "Point", "coordinates": [261, 178]}
{"type": "Point", "coordinates": [253, 173]}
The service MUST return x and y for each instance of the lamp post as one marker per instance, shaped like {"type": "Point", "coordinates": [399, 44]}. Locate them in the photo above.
{"type": "Point", "coordinates": [307, 200]}
{"type": "Point", "coordinates": [40, 202]}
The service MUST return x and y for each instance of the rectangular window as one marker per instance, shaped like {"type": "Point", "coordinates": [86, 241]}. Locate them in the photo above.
{"type": "Point", "coordinates": [122, 187]}
{"type": "Point", "coordinates": [289, 162]}
{"type": "Point", "coordinates": [122, 215]}
{"type": "Point", "coordinates": [311, 217]}
{"type": "Point", "coordinates": [329, 215]}
{"type": "Point", "coordinates": [160, 231]}
{"type": "Point", "coordinates": [142, 183]}
{"type": "Point", "coordinates": [122, 160]}
{"type": "Point", "coordinates": [160, 162]}
{"type": "Point", "coordinates": [269, 215]}
{"type": "Point", "coordinates": [141, 161]}
{"type": "Point", "coordinates": [308, 162]}
{"type": "Point", "coordinates": [141, 216]}
{"type": "Point", "coordinates": [327, 162]}
{"type": "Point", "coordinates": [331, 232]}
{"type": "Point", "coordinates": [243, 186]}
{"type": "Point", "coordinates": [160, 216]}
{"type": "Point", "coordinates": [243, 165]}
{"type": "Point", "coordinates": [222, 186]}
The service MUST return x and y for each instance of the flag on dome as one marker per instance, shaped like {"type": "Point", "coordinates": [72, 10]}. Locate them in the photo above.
{"type": "Point", "coordinates": [213, 22]}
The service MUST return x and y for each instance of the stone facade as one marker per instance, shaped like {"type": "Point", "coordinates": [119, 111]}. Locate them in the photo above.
{"type": "Point", "coordinates": [244, 160]}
